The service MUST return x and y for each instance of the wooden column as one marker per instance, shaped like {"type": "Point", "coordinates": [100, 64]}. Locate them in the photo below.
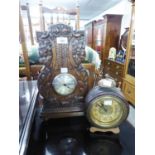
{"type": "Point", "coordinates": [42, 22]}
{"type": "Point", "coordinates": [24, 48]}
{"type": "Point", "coordinates": [52, 19]}
{"type": "Point", "coordinates": [57, 18]}
{"type": "Point", "coordinates": [30, 24]}
{"type": "Point", "coordinates": [78, 16]}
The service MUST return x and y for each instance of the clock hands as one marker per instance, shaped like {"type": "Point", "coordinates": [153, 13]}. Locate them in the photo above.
{"type": "Point", "coordinates": [101, 105]}
{"type": "Point", "coordinates": [66, 85]}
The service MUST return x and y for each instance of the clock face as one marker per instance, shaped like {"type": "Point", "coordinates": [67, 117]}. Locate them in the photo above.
{"type": "Point", "coordinates": [64, 84]}
{"type": "Point", "coordinates": [106, 111]}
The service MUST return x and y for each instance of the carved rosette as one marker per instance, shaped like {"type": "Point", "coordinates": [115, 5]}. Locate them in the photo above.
{"type": "Point", "coordinates": [56, 56]}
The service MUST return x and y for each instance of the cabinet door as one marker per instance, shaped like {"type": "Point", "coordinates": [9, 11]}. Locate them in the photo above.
{"type": "Point", "coordinates": [129, 80]}
{"type": "Point", "coordinates": [89, 34]}
{"type": "Point", "coordinates": [129, 92]}
{"type": "Point", "coordinates": [98, 36]}
{"type": "Point", "coordinates": [130, 64]}
{"type": "Point", "coordinates": [131, 61]}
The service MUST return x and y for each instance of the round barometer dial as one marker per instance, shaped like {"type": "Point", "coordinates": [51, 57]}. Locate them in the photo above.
{"type": "Point", "coordinates": [64, 84]}
{"type": "Point", "coordinates": [106, 110]}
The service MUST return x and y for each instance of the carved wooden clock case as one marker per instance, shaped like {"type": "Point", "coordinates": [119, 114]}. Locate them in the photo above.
{"type": "Point", "coordinates": [63, 81]}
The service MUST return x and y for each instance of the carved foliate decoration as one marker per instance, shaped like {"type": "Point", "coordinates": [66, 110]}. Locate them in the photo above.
{"type": "Point", "coordinates": [62, 48]}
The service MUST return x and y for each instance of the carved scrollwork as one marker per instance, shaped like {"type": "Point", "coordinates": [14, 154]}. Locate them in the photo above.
{"type": "Point", "coordinates": [45, 47]}
{"type": "Point", "coordinates": [59, 30]}
{"type": "Point", "coordinates": [78, 47]}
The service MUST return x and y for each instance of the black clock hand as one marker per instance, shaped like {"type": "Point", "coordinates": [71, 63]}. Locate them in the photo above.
{"type": "Point", "coordinates": [66, 85]}
{"type": "Point", "coordinates": [104, 107]}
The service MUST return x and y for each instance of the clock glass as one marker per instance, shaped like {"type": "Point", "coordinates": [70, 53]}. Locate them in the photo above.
{"type": "Point", "coordinates": [64, 84]}
{"type": "Point", "coordinates": [106, 111]}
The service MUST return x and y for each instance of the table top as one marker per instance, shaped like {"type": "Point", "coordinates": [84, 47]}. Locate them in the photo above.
{"type": "Point", "coordinates": [26, 93]}
{"type": "Point", "coordinates": [70, 136]}
{"type": "Point", "coordinates": [27, 98]}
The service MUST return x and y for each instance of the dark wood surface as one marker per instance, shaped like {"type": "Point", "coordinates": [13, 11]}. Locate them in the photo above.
{"type": "Point", "coordinates": [70, 136]}
{"type": "Point", "coordinates": [27, 98]}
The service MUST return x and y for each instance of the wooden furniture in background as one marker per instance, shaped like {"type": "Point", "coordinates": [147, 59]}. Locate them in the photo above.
{"type": "Point", "coordinates": [42, 19]}
{"type": "Point", "coordinates": [26, 8]}
{"type": "Point", "coordinates": [98, 34]}
{"type": "Point", "coordinates": [34, 71]}
{"type": "Point", "coordinates": [89, 34]}
{"type": "Point", "coordinates": [115, 70]}
{"type": "Point", "coordinates": [103, 34]}
{"type": "Point", "coordinates": [24, 48]}
{"type": "Point", "coordinates": [111, 33]}
{"type": "Point", "coordinates": [129, 78]}
{"type": "Point", "coordinates": [111, 36]}
{"type": "Point", "coordinates": [59, 10]}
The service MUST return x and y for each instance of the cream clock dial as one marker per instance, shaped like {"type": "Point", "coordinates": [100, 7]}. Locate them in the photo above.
{"type": "Point", "coordinates": [64, 84]}
{"type": "Point", "coordinates": [106, 111]}
{"type": "Point", "coordinates": [106, 107]}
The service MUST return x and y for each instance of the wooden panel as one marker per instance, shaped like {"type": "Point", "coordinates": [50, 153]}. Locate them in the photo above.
{"type": "Point", "coordinates": [98, 33]}
{"type": "Point", "coordinates": [111, 33]}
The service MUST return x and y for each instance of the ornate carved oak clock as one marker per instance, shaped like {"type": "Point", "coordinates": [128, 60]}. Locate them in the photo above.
{"type": "Point", "coordinates": [63, 82]}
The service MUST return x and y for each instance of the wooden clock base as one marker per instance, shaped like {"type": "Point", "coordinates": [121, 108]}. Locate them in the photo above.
{"type": "Point", "coordinates": [114, 130]}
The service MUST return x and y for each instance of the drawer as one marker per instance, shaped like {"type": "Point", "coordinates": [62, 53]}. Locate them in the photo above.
{"type": "Point", "coordinates": [129, 91]}
{"type": "Point", "coordinates": [107, 69]}
{"type": "Point", "coordinates": [118, 73]}
{"type": "Point", "coordinates": [114, 68]}
{"type": "Point", "coordinates": [115, 74]}
{"type": "Point", "coordinates": [119, 67]}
